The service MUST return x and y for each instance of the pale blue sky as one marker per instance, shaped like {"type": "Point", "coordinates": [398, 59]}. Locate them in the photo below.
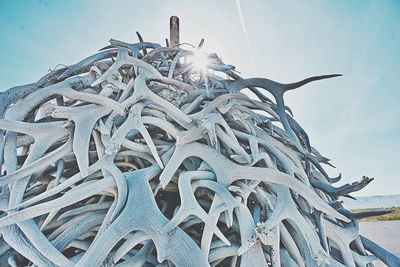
{"type": "Point", "coordinates": [353, 119]}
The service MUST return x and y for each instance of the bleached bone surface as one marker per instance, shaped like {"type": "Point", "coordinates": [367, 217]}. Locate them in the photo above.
{"type": "Point", "coordinates": [135, 157]}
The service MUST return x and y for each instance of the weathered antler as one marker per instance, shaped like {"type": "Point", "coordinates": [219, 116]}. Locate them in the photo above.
{"type": "Point", "coordinates": [135, 156]}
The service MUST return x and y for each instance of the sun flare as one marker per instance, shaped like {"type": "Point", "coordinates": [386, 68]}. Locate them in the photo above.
{"type": "Point", "coordinates": [199, 61]}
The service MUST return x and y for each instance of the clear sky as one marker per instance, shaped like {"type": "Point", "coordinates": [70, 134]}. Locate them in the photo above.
{"type": "Point", "coordinates": [354, 119]}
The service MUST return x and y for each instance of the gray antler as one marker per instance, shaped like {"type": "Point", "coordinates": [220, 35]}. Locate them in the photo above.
{"type": "Point", "coordinates": [133, 156]}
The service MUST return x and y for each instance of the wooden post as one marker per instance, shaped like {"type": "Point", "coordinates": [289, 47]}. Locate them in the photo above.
{"type": "Point", "coordinates": [174, 31]}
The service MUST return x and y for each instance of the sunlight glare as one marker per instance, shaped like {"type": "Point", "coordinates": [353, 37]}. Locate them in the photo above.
{"type": "Point", "coordinates": [199, 60]}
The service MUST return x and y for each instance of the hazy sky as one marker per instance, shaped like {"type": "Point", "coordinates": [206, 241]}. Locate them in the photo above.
{"type": "Point", "coordinates": [354, 119]}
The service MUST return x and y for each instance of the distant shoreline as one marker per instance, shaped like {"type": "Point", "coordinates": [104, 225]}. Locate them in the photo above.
{"type": "Point", "coordinates": [393, 216]}
{"type": "Point", "coordinates": [371, 202]}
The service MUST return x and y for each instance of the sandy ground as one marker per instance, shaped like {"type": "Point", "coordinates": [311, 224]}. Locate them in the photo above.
{"type": "Point", "coordinates": [384, 233]}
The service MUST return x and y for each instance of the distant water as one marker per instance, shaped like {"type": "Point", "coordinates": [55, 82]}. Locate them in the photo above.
{"type": "Point", "coordinates": [384, 233]}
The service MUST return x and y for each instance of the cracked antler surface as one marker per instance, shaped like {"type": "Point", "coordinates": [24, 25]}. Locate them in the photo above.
{"type": "Point", "coordinates": [134, 156]}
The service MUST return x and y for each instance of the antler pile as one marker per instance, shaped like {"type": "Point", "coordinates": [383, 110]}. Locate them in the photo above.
{"type": "Point", "coordinates": [134, 157]}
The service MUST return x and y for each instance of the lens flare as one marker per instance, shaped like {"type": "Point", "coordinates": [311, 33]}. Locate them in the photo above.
{"type": "Point", "coordinates": [199, 61]}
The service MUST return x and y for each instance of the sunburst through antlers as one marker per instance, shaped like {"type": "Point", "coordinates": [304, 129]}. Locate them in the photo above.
{"type": "Point", "coordinates": [142, 155]}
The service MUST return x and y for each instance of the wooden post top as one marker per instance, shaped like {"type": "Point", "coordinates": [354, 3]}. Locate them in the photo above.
{"type": "Point", "coordinates": [174, 31]}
